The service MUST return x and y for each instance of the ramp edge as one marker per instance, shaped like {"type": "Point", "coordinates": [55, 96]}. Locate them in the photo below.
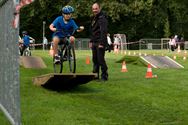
{"type": "Point", "coordinates": [41, 80]}
{"type": "Point", "coordinates": [175, 62]}
{"type": "Point", "coordinates": [148, 62]}
{"type": "Point", "coordinates": [27, 62]}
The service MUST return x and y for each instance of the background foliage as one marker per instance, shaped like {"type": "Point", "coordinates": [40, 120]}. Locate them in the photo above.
{"type": "Point", "coordinates": [135, 18]}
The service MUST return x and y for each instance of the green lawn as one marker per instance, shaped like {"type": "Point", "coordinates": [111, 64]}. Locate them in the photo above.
{"type": "Point", "coordinates": [3, 120]}
{"type": "Point", "coordinates": [126, 99]}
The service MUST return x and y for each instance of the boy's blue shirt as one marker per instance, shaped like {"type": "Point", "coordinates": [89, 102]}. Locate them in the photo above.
{"type": "Point", "coordinates": [64, 29]}
{"type": "Point", "coordinates": [26, 40]}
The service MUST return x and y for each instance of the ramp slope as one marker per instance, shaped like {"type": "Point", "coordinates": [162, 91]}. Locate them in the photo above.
{"type": "Point", "coordinates": [161, 62]}
{"type": "Point", "coordinates": [32, 62]}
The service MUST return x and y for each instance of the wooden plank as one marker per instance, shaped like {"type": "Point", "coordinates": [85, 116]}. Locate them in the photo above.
{"type": "Point", "coordinates": [41, 80]}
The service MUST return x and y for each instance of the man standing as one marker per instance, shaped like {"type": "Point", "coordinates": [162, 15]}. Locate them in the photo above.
{"type": "Point", "coordinates": [98, 41]}
{"type": "Point", "coordinates": [45, 43]}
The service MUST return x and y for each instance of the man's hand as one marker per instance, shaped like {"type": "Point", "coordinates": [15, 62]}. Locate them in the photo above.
{"type": "Point", "coordinates": [101, 46]}
{"type": "Point", "coordinates": [90, 45]}
{"type": "Point", "coordinates": [80, 29]}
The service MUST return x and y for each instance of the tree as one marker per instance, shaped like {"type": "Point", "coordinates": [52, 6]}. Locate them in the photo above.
{"type": "Point", "coordinates": [136, 18]}
{"type": "Point", "coordinates": [167, 29]}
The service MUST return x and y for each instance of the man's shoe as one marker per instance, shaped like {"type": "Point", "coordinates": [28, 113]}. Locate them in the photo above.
{"type": "Point", "coordinates": [104, 79]}
{"type": "Point", "coordinates": [56, 59]}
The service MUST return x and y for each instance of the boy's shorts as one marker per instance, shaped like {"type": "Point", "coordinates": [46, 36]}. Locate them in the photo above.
{"type": "Point", "coordinates": [62, 40]}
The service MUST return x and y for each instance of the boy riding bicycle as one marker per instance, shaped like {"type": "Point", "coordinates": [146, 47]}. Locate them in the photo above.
{"type": "Point", "coordinates": [63, 27]}
{"type": "Point", "coordinates": [25, 41]}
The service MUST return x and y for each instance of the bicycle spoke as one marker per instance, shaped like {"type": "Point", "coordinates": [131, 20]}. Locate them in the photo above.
{"type": "Point", "coordinates": [72, 61]}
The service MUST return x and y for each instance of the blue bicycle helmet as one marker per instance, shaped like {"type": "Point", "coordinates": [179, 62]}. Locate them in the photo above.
{"type": "Point", "coordinates": [67, 9]}
{"type": "Point", "coordinates": [24, 32]}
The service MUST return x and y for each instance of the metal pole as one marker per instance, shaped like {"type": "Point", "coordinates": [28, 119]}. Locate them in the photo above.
{"type": "Point", "coordinates": [43, 34]}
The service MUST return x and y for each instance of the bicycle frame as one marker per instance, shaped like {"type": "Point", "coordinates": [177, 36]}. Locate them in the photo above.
{"type": "Point", "coordinates": [66, 53]}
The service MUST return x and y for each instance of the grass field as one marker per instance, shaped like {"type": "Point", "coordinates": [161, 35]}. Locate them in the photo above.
{"type": "Point", "coordinates": [126, 99]}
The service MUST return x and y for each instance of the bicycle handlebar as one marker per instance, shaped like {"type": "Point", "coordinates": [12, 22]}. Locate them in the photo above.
{"type": "Point", "coordinates": [81, 28]}
{"type": "Point", "coordinates": [64, 33]}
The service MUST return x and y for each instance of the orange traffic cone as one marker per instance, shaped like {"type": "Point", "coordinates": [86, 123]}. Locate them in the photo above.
{"type": "Point", "coordinates": [149, 72]}
{"type": "Point", "coordinates": [87, 60]}
{"type": "Point", "coordinates": [51, 52]}
{"type": "Point", "coordinates": [124, 68]}
{"type": "Point", "coordinates": [184, 58]}
{"type": "Point", "coordinates": [125, 53]}
{"type": "Point", "coordinates": [116, 50]}
{"type": "Point", "coordinates": [129, 53]}
{"type": "Point", "coordinates": [134, 53]}
{"type": "Point", "coordinates": [179, 49]}
{"type": "Point", "coordinates": [174, 57]}
{"type": "Point", "coordinates": [185, 55]}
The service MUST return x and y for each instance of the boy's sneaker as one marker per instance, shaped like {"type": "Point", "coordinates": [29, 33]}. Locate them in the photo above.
{"type": "Point", "coordinates": [57, 59]}
{"type": "Point", "coordinates": [71, 58]}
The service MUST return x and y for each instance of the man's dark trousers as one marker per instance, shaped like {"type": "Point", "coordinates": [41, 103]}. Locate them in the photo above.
{"type": "Point", "coordinates": [99, 61]}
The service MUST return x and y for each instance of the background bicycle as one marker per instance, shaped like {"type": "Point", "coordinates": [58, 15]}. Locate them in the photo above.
{"type": "Point", "coordinates": [26, 52]}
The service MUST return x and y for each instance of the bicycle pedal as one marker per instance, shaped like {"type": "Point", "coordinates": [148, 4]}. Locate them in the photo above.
{"type": "Point", "coordinates": [64, 59]}
{"type": "Point", "coordinates": [57, 62]}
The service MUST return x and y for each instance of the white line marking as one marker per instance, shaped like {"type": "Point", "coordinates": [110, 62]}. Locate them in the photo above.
{"type": "Point", "coordinates": [175, 62]}
{"type": "Point", "coordinates": [148, 62]}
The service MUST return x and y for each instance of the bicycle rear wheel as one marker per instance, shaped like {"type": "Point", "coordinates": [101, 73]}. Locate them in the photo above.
{"type": "Point", "coordinates": [27, 52]}
{"type": "Point", "coordinates": [58, 67]}
{"type": "Point", "coordinates": [71, 57]}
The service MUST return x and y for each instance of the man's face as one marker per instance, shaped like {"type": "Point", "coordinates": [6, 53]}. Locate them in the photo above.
{"type": "Point", "coordinates": [95, 9]}
{"type": "Point", "coordinates": [67, 16]}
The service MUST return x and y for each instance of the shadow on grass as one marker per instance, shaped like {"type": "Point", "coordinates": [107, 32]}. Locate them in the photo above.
{"type": "Point", "coordinates": [75, 89]}
{"type": "Point", "coordinates": [61, 82]}
{"type": "Point", "coordinates": [70, 84]}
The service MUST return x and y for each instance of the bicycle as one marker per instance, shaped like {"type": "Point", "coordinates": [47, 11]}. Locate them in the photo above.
{"type": "Point", "coordinates": [67, 54]}
{"type": "Point", "coordinates": [26, 52]}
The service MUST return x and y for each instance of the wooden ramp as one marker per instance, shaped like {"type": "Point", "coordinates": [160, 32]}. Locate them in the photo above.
{"type": "Point", "coordinates": [32, 62]}
{"type": "Point", "coordinates": [56, 81]}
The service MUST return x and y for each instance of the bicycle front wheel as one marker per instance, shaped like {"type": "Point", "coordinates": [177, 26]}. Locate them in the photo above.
{"type": "Point", "coordinates": [27, 53]}
{"type": "Point", "coordinates": [57, 67]}
{"type": "Point", "coordinates": [71, 58]}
